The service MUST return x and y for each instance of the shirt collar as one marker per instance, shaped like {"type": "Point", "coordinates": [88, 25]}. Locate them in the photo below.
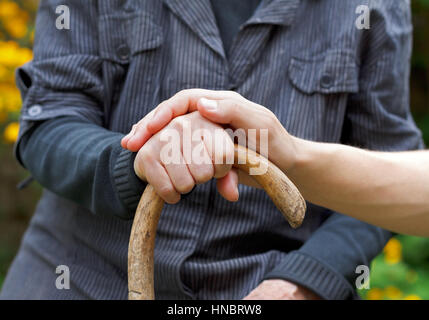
{"type": "Point", "coordinates": [276, 12]}
{"type": "Point", "coordinates": [199, 16]}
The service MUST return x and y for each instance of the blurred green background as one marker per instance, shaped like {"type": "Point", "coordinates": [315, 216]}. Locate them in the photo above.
{"type": "Point", "coordinates": [400, 272]}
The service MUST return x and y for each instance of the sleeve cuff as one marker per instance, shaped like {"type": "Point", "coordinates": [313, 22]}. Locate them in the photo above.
{"type": "Point", "coordinates": [128, 185]}
{"type": "Point", "coordinates": [310, 273]}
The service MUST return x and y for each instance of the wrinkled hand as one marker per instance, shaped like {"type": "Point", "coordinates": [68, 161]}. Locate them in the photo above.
{"type": "Point", "coordinates": [185, 153]}
{"type": "Point", "coordinates": [278, 289]}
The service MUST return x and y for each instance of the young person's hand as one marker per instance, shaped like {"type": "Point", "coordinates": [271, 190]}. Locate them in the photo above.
{"type": "Point", "coordinates": [223, 107]}
{"type": "Point", "coordinates": [189, 150]}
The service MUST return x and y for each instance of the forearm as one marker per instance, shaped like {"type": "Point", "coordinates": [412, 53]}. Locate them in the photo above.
{"type": "Point", "coordinates": [81, 162]}
{"type": "Point", "coordinates": [390, 190]}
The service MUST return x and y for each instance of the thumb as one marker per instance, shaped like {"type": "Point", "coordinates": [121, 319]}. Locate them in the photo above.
{"type": "Point", "coordinates": [228, 186]}
{"type": "Point", "coordinates": [233, 112]}
{"type": "Point", "coordinates": [218, 111]}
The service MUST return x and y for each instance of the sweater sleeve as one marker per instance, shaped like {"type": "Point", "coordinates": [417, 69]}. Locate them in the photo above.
{"type": "Point", "coordinates": [83, 162]}
{"type": "Point", "coordinates": [62, 140]}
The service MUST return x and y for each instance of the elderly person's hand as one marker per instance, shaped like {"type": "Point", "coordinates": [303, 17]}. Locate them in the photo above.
{"type": "Point", "coordinates": [184, 153]}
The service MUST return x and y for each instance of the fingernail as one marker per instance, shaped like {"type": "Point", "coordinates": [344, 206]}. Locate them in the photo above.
{"type": "Point", "coordinates": [210, 105]}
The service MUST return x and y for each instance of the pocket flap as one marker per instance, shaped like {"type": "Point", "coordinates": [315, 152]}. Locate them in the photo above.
{"type": "Point", "coordinates": [332, 72]}
{"type": "Point", "coordinates": [126, 34]}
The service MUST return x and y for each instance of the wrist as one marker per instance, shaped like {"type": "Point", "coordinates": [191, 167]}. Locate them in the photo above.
{"type": "Point", "coordinates": [288, 152]}
{"type": "Point", "coordinates": [306, 156]}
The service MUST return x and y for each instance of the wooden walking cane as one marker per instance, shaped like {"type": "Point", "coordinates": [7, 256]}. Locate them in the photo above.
{"type": "Point", "coordinates": [279, 188]}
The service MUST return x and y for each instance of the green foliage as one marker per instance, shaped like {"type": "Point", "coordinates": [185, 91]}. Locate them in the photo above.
{"type": "Point", "coordinates": [408, 277]}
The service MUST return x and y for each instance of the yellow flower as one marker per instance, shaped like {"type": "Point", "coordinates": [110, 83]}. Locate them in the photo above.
{"type": "Point", "coordinates": [412, 297]}
{"type": "Point", "coordinates": [3, 72]}
{"type": "Point", "coordinates": [11, 132]}
{"type": "Point", "coordinates": [393, 251]}
{"type": "Point", "coordinates": [392, 292]}
{"type": "Point", "coordinates": [8, 9]}
{"type": "Point", "coordinates": [14, 19]}
{"type": "Point", "coordinates": [12, 55]}
{"type": "Point", "coordinates": [16, 27]}
{"type": "Point", "coordinates": [10, 98]}
{"type": "Point", "coordinates": [375, 294]}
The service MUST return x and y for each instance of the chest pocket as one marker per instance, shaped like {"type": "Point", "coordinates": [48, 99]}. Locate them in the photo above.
{"type": "Point", "coordinates": [321, 85]}
{"type": "Point", "coordinates": [125, 35]}
{"type": "Point", "coordinates": [129, 47]}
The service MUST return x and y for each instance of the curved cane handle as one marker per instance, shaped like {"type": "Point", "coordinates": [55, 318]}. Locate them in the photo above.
{"type": "Point", "coordinates": [276, 184]}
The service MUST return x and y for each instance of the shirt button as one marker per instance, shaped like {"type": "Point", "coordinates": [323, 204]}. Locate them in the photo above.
{"type": "Point", "coordinates": [35, 110]}
{"type": "Point", "coordinates": [326, 81]}
{"type": "Point", "coordinates": [123, 52]}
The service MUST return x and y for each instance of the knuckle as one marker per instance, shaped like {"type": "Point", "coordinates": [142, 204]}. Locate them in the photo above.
{"type": "Point", "coordinates": [271, 116]}
{"type": "Point", "coordinates": [163, 103]}
{"type": "Point", "coordinates": [166, 191]}
{"type": "Point", "coordinates": [266, 118]}
{"type": "Point", "coordinates": [231, 94]}
{"type": "Point", "coordinates": [177, 94]}
{"type": "Point", "coordinates": [144, 156]}
{"type": "Point", "coordinates": [185, 187]}
{"type": "Point", "coordinates": [234, 105]}
{"type": "Point", "coordinates": [182, 93]}
{"type": "Point", "coordinates": [173, 200]}
{"type": "Point", "coordinates": [147, 154]}
{"type": "Point", "coordinates": [204, 174]}
{"type": "Point", "coordinates": [139, 168]}
{"type": "Point", "coordinates": [177, 123]}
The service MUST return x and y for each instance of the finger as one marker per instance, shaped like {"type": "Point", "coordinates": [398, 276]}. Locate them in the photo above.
{"type": "Point", "coordinates": [234, 112]}
{"type": "Point", "coordinates": [159, 179]}
{"type": "Point", "coordinates": [138, 135]}
{"type": "Point", "coordinates": [127, 137]}
{"type": "Point", "coordinates": [182, 103]}
{"type": "Point", "coordinates": [138, 138]}
{"type": "Point", "coordinates": [157, 176]}
{"type": "Point", "coordinates": [199, 161]}
{"type": "Point", "coordinates": [228, 186]}
{"type": "Point", "coordinates": [156, 120]}
{"type": "Point", "coordinates": [180, 176]}
{"type": "Point", "coordinates": [220, 148]}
